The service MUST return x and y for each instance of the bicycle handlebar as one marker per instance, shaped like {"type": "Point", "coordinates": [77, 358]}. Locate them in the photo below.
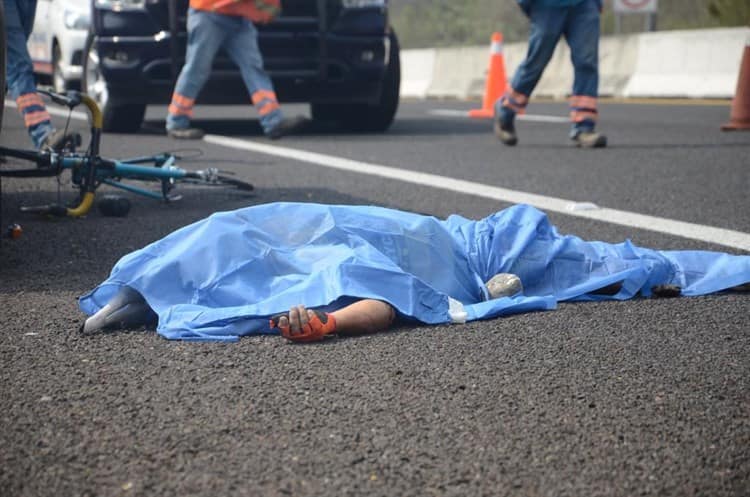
{"type": "Point", "coordinates": [50, 162]}
{"type": "Point", "coordinates": [71, 100]}
{"type": "Point", "coordinates": [97, 120]}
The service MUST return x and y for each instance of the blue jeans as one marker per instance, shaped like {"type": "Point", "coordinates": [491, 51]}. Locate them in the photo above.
{"type": "Point", "coordinates": [580, 26]}
{"type": "Point", "coordinates": [207, 33]}
{"type": "Point", "coordinates": [19, 21]}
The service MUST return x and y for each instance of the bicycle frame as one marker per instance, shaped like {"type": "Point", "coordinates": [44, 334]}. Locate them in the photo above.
{"type": "Point", "coordinates": [89, 170]}
{"type": "Point", "coordinates": [110, 172]}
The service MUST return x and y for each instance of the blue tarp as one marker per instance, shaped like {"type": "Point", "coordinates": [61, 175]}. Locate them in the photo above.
{"type": "Point", "coordinates": [222, 277]}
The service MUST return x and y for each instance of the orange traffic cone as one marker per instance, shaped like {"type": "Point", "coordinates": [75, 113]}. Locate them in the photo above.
{"type": "Point", "coordinates": [739, 117]}
{"type": "Point", "coordinates": [496, 83]}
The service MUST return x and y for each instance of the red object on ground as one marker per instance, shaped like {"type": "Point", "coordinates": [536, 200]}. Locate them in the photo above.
{"type": "Point", "coordinates": [15, 231]}
{"type": "Point", "coordinates": [739, 118]}
{"type": "Point", "coordinates": [496, 82]}
{"type": "Point", "coordinates": [320, 325]}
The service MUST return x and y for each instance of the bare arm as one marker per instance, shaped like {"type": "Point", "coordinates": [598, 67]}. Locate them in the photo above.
{"type": "Point", "coordinates": [363, 316]}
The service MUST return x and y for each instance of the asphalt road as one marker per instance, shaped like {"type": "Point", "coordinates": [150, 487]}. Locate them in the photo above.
{"type": "Point", "coordinates": [644, 397]}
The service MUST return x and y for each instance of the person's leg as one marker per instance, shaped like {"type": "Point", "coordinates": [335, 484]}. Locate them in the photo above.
{"type": "Point", "coordinates": [27, 10]}
{"type": "Point", "coordinates": [243, 49]}
{"type": "Point", "coordinates": [582, 35]}
{"type": "Point", "coordinates": [206, 33]}
{"type": "Point", "coordinates": [19, 18]}
{"type": "Point", "coordinates": [547, 25]}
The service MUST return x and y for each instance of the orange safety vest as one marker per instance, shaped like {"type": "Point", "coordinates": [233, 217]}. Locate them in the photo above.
{"type": "Point", "coordinates": [261, 11]}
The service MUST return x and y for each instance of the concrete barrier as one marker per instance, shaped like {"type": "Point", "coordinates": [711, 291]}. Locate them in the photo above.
{"type": "Point", "coordinates": [687, 63]}
{"type": "Point", "coordinates": [618, 57]}
{"type": "Point", "coordinates": [459, 72]}
{"type": "Point", "coordinates": [417, 68]}
{"type": "Point", "coordinates": [696, 64]}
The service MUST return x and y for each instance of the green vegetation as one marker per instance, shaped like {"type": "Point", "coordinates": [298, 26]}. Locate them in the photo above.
{"type": "Point", "coordinates": [440, 23]}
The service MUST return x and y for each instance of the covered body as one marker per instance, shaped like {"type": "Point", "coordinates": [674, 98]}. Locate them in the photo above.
{"type": "Point", "coordinates": [222, 277]}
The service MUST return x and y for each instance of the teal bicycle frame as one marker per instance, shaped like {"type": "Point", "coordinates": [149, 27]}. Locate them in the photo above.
{"type": "Point", "coordinates": [89, 170]}
{"type": "Point", "coordinates": [110, 172]}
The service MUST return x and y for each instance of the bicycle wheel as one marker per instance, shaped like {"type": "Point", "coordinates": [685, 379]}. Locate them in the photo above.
{"type": "Point", "coordinates": [217, 179]}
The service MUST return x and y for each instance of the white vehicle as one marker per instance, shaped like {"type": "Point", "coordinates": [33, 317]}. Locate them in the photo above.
{"type": "Point", "coordinates": [57, 40]}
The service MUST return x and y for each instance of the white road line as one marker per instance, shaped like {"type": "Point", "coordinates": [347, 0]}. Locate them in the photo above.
{"type": "Point", "coordinates": [522, 117]}
{"type": "Point", "coordinates": [710, 234]}
{"type": "Point", "coordinates": [542, 118]}
{"type": "Point", "coordinates": [449, 112]}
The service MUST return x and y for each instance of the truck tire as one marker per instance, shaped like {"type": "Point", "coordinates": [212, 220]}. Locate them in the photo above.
{"type": "Point", "coordinates": [369, 117]}
{"type": "Point", "coordinates": [118, 117]}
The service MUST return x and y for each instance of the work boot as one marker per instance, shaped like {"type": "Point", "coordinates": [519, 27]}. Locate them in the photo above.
{"type": "Point", "coordinates": [59, 140]}
{"type": "Point", "coordinates": [589, 139]}
{"type": "Point", "coordinates": [506, 133]}
{"type": "Point", "coordinates": [287, 127]}
{"type": "Point", "coordinates": [503, 126]}
{"type": "Point", "coordinates": [185, 133]}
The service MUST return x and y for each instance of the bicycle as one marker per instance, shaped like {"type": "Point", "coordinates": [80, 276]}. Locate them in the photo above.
{"type": "Point", "coordinates": [90, 170]}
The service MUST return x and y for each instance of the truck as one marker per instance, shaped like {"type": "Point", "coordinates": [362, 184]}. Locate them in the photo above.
{"type": "Point", "coordinates": [339, 56]}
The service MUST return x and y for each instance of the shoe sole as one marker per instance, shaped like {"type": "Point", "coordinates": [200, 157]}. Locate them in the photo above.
{"type": "Point", "coordinates": [294, 127]}
{"type": "Point", "coordinates": [499, 134]}
{"type": "Point", "coordinates": [600, 142]}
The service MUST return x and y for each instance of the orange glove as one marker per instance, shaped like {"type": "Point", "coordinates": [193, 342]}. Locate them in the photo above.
{"type": "Point", "coordinates": [317, 328]}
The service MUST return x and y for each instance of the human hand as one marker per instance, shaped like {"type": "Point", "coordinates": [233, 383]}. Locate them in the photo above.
{"type": "Point", "coordinates": [304, 325]}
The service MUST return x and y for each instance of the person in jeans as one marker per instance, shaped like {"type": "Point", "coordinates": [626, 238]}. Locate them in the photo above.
{"type": "Point", "coordinates": [578, 21]}
{"type": "Point", "coordinates": [215, 24]}
{"type": "Point", "coordinates": [19, 21]}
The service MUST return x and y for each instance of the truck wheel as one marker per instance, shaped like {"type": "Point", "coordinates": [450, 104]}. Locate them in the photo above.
{"type": "Point", "coordinates": [369, 117]}
{"type": "Point", "coordinates": [118, 117]}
